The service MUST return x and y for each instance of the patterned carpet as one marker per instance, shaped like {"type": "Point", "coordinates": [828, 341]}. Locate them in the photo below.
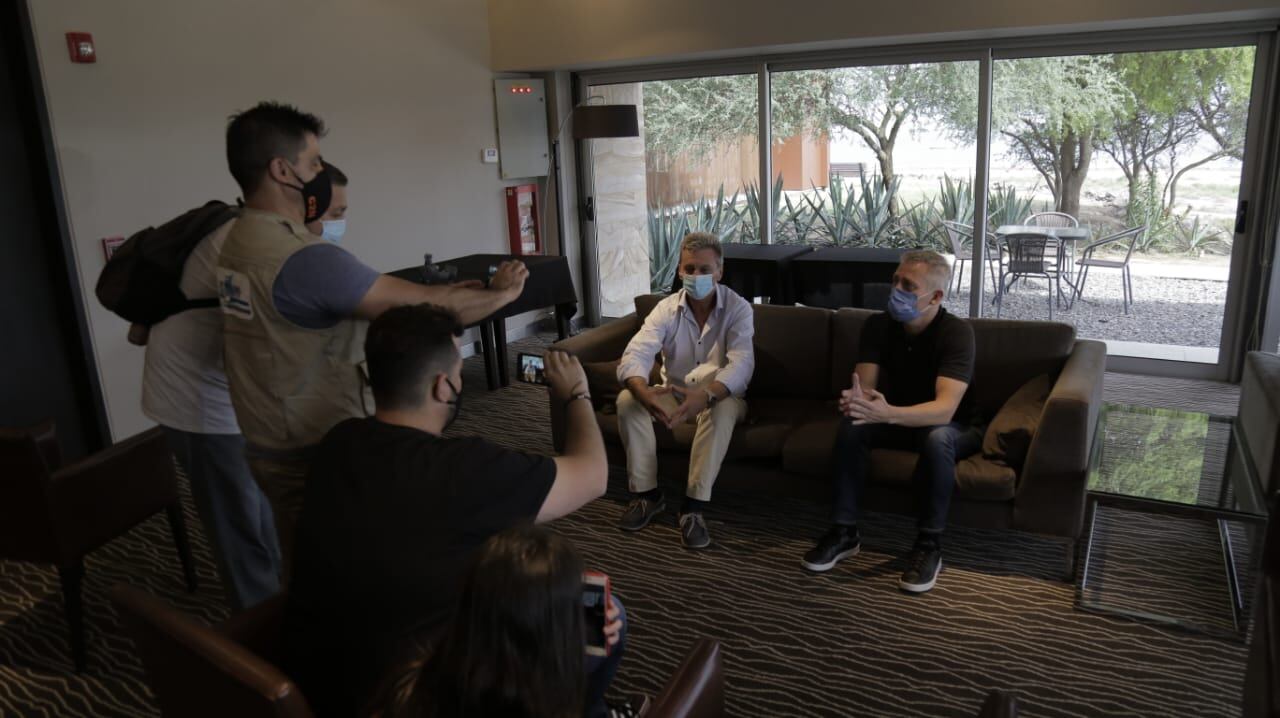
{"type": "Point", "coordinates": [846, 643]}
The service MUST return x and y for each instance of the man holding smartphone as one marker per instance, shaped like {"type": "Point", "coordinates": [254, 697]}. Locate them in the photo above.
{"type": "Point", "coordinates": [703, 333]}
{"type": "Point", "coordinates": [395, 508]}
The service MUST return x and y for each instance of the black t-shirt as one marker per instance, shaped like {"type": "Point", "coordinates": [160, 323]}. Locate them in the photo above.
{"type": "Point", "coordinates": [391, 516]}
{"type": "Point", "coordinates": [910, 365]}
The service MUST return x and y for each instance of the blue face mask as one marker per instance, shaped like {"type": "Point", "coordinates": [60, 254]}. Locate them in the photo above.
{"type": "Point", "coordinates": [699, 285]}
{"type": "Point", "coordinates": [334, 229]}
{"type": "Point", "coordinates": [902, 306]}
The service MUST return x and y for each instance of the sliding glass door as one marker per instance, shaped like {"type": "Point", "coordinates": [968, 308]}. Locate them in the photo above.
{"type": "Point", "coordinates": [1110, 182]}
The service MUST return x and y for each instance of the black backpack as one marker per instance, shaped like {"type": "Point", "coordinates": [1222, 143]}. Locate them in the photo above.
{"type": "Point", "coordinates": [140, 281]}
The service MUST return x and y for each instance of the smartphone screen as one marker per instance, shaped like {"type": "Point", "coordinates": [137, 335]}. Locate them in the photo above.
{"type": "Point", "coordinates": [595, 597]}
{"type": "Point", "coordinates": [532, 368]}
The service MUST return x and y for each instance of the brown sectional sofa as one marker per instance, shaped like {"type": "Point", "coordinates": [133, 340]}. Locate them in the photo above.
{"type": "Point", "coordinates": [804, 358]}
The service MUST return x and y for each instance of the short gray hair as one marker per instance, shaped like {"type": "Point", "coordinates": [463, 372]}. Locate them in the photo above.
{"type": "Point", "coordinates": [938, 268]}
{"type": "Point", "coordinates": [698, 241]}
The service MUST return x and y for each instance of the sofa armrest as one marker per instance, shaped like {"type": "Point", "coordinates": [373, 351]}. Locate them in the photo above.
{"type": "Point", "coordinates": [1051, 489]}
{"type": "Point", "coordinates": [603, 343]}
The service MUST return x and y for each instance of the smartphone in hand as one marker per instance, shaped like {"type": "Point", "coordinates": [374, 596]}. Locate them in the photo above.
{"type": "Point", "coordinates": [596, 596]}
{"type": "Point", "coordinates": [532, 368]}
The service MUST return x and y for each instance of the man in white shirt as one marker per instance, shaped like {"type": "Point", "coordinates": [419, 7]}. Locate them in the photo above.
{"type": "Point", "coordinates": [184, 389]}
{"type": "Point", "coordinates": [704, 334]}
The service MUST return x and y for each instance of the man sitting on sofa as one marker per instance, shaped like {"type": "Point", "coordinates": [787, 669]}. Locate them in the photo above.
{"type": "Point", "coordinates": [704, 334]}
{"type": "Point", "coordinates": [909, 391]}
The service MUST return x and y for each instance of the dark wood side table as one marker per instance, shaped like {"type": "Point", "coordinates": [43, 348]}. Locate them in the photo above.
{"type": "Point", "coordinates": [549, 285]}
{"type": "Point", "coordinates": [835, 277]}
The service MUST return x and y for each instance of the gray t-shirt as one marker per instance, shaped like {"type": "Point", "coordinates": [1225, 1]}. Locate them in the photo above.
{"type": "Point", "coordinates": [320, 285]}
{"type": "Point", "coordinates": [184, 384]}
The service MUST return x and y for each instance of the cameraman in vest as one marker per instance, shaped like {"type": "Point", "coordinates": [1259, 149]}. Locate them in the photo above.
{"type": "Point", "coordinates": [295, 306]}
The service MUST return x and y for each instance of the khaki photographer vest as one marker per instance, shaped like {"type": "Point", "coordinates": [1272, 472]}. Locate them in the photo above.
{"type": "Point", "coordinates": [289, 384]}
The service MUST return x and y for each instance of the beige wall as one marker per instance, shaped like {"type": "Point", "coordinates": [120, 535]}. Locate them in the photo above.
{"type": "Point", "coordinates": [547, 34]}
{"type": "Point", "coordinates": [404, 86]}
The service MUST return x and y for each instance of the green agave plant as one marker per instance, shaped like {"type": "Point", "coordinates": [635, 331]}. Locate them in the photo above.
{"type": "Point", "coordinates": [666, 228]}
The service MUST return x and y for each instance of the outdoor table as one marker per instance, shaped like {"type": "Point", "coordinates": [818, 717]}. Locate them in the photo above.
{"type": "Point", "coordinates": [549, 285]}
{"type": "Point", "coordinates": [1066, 236]}
{"type": "Point", "coordinates": [835, 277]}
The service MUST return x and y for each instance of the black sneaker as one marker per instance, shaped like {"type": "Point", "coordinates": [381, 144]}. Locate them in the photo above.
{"type": "Point", "coordinates": [640, 512]}
{"type": "Point", "coordinates": [693, 531]}
{"type": "Point", "coordinates": [923, 564]}
{"type": "Point", "coordinates": [836, 545]}
{"type": "Point", "coordinates": [632, 707]}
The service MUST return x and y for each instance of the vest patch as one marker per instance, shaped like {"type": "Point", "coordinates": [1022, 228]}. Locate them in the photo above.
{"type": "Point", "coordinates": [234, 293]}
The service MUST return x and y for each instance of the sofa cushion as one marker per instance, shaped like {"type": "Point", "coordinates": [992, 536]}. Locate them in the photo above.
{"type": "Point", "coordinates": [1010, 352]}
{"type": "Point", "coordinates": [846, 329]}
{"type": "Point", "coordinates": [793, 353]}
{"type": "Point", "coordinates": [645, 304]}
{"type": "Point", "coordinates": [1009, 435]}
{"type": "Point", "coordinates": [808, 447]}
{"type": "Point", "coordinates": [976, 477]}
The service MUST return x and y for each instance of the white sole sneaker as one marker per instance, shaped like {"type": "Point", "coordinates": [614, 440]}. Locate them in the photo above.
{"type": "Point", "coordinates": [821, 567]}
{"type": "Point", "coordinates": [921, 587]}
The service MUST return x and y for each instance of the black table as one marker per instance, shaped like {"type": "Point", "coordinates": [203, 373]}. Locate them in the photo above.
{"type": "Point", "coordinates": [757, 270]}
{"type": "Point", "coordinates": [835, 277]}
{"type": "Point", "coordinates": [762, 270]}
{"type": "Point", "coordinates": [549, 285]}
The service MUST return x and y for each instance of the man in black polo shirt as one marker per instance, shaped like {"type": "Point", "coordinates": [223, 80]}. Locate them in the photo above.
{"type": "Point", "coordinates": [394, 510]}
{"type": "Point", "coordinates": [909, 391]}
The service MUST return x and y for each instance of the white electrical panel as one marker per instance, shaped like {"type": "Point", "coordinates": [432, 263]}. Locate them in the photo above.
{"type": "Point", "coordinates": [522, 127]}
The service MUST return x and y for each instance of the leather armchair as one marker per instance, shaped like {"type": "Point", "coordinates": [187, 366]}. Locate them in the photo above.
{"type": "Point", "coordinates": [1262, 672]}
{"type": "Point", "coordinates": [999, 704]}
{"type": "Point", "coordinates": [196, 670]}
{"type": "Point", "coordinates": [57, 514]}
{"type": "Point", "coordinates": [696, 689]}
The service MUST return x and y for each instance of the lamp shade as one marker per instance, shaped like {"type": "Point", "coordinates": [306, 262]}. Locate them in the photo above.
{"type": "Point", "coordinates": [596, 121]}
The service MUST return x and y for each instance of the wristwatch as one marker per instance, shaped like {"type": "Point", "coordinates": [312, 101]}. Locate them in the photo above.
{"type": "Point", "coordinates": [711, 398]}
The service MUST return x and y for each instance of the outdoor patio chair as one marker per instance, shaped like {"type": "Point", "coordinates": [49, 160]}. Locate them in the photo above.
{"type": "Point", "coordinates": [1028, 255]}
{"type": "Point", "coordinates": [1051, 219]}
{"type": "Point", "coordinates": [1055, 219]}
{"type": "Point", "coordinates": [961, 237]}
{"type": "Point", "coordinates": [1128, 239]}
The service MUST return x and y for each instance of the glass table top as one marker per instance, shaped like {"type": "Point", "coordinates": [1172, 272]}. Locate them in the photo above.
{"type": "Point", "coordinates": [1168, 455]}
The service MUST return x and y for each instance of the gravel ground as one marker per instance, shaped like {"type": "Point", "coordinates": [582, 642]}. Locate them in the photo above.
{"type": "Point", "coordinates": [1185, 312]}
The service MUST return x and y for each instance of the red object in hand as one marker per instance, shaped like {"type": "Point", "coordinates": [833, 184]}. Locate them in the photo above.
{"type": "Point", "coordinates": [80, 45]}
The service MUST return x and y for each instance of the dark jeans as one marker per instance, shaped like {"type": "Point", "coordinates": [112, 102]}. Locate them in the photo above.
{"type": "Point", "coordinates": [234, 512]}
{"type": "Point", "coordinates": [601, 670]}
{"type": "Point", "coordinates": [934, 478]}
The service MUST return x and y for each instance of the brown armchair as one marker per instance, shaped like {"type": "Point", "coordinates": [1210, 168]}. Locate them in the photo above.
{"type": "Point", "coordinates": [696, 689]}
{"type": "Point", "coordinates": [57, 515]}
{"type": "Point", "coordinates": [1262, 672]}
{"type": "Point", "coordinates": [196, 670]}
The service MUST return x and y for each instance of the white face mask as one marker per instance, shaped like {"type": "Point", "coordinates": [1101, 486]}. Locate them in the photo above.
{"type": "Point", "coordinates": [334, 229]}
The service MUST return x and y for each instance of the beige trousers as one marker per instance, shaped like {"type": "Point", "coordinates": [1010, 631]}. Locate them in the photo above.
{"type": "Point", "coordinates": [710, 442]}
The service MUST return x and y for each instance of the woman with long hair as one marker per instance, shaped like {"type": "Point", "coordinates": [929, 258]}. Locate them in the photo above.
{"type": "Point", "coordinates": [516, 645]}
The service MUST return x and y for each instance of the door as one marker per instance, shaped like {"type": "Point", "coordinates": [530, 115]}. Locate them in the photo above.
{"type": "Point", "coordinates": [45, 370]}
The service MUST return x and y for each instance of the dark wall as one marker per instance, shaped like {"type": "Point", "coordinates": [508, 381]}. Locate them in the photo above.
{"type": "Point", "coordinates": [46, 369]}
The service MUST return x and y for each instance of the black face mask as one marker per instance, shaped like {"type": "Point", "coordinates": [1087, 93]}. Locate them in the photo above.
{"type": "Point", "coordinates": [456, 404]}
{"type": "Point", "coordinates": [316, 194]}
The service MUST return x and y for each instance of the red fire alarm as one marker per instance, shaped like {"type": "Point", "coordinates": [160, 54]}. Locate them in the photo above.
{"type": "Point", "coordinates": [80, 44]}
